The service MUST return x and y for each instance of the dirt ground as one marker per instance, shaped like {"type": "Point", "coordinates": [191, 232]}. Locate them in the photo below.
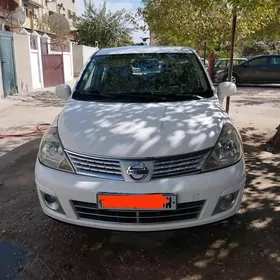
{"type": "Point", "coordinates": [32, 246]}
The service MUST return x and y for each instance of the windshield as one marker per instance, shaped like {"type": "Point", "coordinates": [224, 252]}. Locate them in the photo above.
{"type": "Point", "coordinates": [144, 77]}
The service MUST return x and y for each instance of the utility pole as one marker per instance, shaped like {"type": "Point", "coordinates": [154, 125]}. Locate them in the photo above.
{"type": "Point", "coordinates": [233, 31]}
{"type": "Point", "coordinates": [204, 54]}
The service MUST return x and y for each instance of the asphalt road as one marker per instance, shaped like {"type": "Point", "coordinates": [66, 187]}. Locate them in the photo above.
{"type": "Point", "coordinates": [33, 246]}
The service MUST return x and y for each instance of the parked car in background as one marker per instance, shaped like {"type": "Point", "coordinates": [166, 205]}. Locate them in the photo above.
{"type": "Point", "coordinates": [224, 62]}
{"type": "Point", "coordinates": [142, 150]}
{"type": "Point", "coordinates": [263, 69]}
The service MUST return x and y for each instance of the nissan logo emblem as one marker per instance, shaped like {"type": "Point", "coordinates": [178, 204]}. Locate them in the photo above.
{"type": "Point", "coordinates": [137, 171]}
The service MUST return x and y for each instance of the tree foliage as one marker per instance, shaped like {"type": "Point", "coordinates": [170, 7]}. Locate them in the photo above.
{"type": "Point", "coordinates": [110, 29]}
{"type": "Point", "coordinates": [183, 22]}
{"type": "Point", "coordinates": [55, 24]}
{"type": "Point", "coordinates": [58, 27]}
{"type": "Point", "coordinates": [188, 22]}
{"type": "Point", "coordinates": [265, 46]}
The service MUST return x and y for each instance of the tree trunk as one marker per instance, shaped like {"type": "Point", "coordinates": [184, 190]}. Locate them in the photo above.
{"type": "Point", "coordinates": [211, 65]}
{"type": "Point", "coordinates": [274, 142]}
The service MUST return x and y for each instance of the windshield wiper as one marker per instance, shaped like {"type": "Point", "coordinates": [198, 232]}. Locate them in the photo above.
{"type": "Point", "coordinates": [180, 96]}
{"type": "Point", "coordinates": [87, 94]}
{"type": "Point", "coordinates": [155, 96]}
{"type": "Point", "coordinates": [138, 95]}
{"type": "Point", "coordinates": [192, 96]}
{"type": "Point", "coordinates": [96, 92]}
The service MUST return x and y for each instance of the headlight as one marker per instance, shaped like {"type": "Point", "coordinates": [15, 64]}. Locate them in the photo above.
{"type": "Point", "coordinates": [228, 150]}
{"type": "Point", "coordinates": [51, 152]}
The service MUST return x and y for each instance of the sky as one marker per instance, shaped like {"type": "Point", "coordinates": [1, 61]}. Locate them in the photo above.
{"type": "Point", "coordinates": [114, 5]}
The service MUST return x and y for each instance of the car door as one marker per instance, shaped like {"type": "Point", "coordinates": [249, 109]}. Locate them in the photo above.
{"type": "Point", "coordinates": [239, 61]}
{"type": "Point", "coordinates": [274, 69]}
{"type": "Point", "coordinates": [221, 64]}
{"type": "Point", "coordinates": [255, 70]}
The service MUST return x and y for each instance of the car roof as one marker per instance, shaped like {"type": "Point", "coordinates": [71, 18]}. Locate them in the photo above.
{"type": "Point", "coordinates": [265, 55]}
{"type": "Point", "coordinates": [235, 58]}
{"type": "Point", "coordinates": [143, 49]}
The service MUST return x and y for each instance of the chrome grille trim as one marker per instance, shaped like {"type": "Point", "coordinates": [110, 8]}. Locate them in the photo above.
{"type": "Point", "coordinates": [164, 167]}
{"type": "Point", "coordinates": [180, 165]}
{"type": "Point", "coordinates": [96, 166]}
{"type": "Point", "coordinates": [185, 211]}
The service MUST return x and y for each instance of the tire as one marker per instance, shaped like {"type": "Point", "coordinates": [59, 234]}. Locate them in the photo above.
{"type": "Point", "coordinates": [232, 222]}
{"type": "Point", "coordinates": [235, 79]}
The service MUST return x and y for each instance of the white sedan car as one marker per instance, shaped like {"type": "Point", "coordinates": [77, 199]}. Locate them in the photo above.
{"type": "Point", "coordinates": [142, 146]}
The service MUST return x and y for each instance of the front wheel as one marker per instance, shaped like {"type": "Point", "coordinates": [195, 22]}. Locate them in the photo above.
{"type": "Point", "coordinates": [234, 79]}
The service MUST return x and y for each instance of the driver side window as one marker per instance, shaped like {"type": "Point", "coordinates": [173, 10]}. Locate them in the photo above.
{"type": "Point", "coordinates": [258, 61]}
{"type": "Point", "coordinates": [223, 63]}
{"type": "Point", "coordinates": [87, 76]}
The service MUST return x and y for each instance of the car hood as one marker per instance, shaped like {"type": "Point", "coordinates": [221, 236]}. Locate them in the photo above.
{"type": "Point", "coordinates": [140, 129]}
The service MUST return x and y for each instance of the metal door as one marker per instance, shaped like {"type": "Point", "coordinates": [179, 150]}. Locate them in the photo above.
{"type": "Point", "coordinates": [8, 63]}
{"type": "Point", "coordinates": [53, 69]}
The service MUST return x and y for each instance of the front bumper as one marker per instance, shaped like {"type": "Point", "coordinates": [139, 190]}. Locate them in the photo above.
{"type": "Point", "coordinates": [194, 188]}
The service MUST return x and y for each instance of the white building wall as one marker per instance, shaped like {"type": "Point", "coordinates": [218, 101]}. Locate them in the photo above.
{"type": "Point", "coordinates": [68, 75]}
{"type": "Point", "coordinates": [69, 7]}
{"type": "Point", "coordinates": [35, 69]}
{"type": "Point", "coordinates": [81, 54]}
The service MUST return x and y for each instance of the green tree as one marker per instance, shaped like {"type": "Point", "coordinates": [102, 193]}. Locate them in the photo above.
{"type": "Point", "coordinates": [188, 22]}
{"type": "Point", "coordinates": [110, 29]}
{"type": "Point", "coordinates": [265, 46]}
{"type": "Point", "coordinates": [57, 26]}
{"type": "Point", "coordinates": [183, 22]}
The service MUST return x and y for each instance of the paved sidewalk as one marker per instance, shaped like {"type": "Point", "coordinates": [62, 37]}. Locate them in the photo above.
{"type": "Point", "coordinates": [70, 83]}
{"type": "Point", "coordinates": [22, 113]}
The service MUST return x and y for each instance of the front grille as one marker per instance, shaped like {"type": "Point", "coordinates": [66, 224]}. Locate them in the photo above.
{"type": "Point", "coordinates": [164, 167]}
{"type": "Point", "coordinates": [185, 211]}
{"type": "Point", "coordinates": [179, 165]}
{"type": "Point", "coordinates": [97, 167]}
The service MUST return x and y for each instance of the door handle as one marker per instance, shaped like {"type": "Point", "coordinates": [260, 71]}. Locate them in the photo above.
{"type": "Point", "coordinates": [264, 68]}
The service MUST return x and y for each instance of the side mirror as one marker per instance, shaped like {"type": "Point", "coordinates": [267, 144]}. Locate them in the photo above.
{"type": "Point", "coordinates": [246, 64]}
{"type": "Point", "coordinates": [63, 91]}
{"type": "Point", "coordinates": [226, 89]}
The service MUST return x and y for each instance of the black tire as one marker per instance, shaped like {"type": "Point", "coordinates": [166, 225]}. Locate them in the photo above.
{"type": "Point", "coordinates": [235, 79]}
{"type": "Point", "coordinates": [232, 222]}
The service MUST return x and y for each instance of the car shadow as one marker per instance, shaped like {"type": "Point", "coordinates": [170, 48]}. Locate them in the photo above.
{"type": "Point", "coordinates": [246, 247]}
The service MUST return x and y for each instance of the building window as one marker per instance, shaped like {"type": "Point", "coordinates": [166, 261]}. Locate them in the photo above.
{"type": "Point", "coordinates": [51, 13]}
{"type": "Point", "coordinates": [69, 14]}
{"type": "Point", "coordinates": [25, 6]}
